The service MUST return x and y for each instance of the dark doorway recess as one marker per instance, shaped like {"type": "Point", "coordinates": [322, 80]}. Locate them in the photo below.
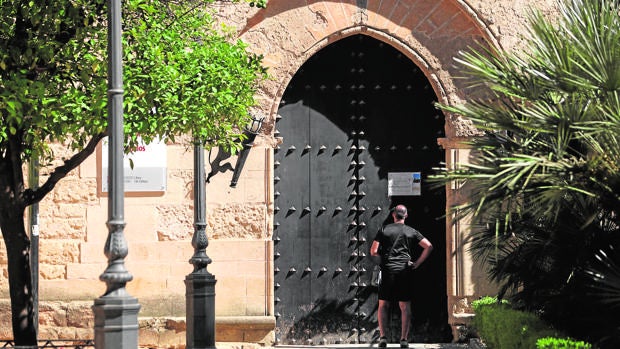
{"type": "Point", "coordinates": [356, 111]}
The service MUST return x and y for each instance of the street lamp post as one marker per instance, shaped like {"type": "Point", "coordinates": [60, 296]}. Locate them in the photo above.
{"type": "Point", "coordinates": [200, 284]}
{"type": "Point", "coordinates": [116, 312]}
{"type": "Point", "coordinates": [33, 181]}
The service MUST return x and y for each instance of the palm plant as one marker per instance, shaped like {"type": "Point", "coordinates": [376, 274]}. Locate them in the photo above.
{"type": "Point", "coordinates": [544, 177]}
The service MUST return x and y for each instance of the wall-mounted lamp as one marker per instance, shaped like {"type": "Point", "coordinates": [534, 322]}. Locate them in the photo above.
{"type": "Point", "coordinates": [250, 131]}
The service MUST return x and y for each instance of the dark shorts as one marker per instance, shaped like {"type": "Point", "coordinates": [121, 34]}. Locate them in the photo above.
{"type": "Point", "coordinates": [396, 287]}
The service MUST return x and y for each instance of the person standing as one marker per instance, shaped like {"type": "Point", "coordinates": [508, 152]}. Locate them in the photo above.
{"type": "Point", "coordinates": [395, 244]}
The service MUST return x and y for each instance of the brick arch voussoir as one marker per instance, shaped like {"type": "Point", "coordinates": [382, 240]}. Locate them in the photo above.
{"type": "Point", "coordinates": [446, 16]}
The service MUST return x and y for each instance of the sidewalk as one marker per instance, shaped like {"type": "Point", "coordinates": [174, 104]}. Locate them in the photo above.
{"type": "Point", "coordinates": [346, 346]}
{"type": "Point", "coordinates": [374, 345]}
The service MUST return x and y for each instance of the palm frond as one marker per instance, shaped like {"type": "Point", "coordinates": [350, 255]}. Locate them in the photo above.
{"type": "Point", "coordinates": [542, 183]}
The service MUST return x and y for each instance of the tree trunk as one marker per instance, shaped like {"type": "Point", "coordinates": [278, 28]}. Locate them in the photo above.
{"type": "Point", "coordinates": [17, 245]}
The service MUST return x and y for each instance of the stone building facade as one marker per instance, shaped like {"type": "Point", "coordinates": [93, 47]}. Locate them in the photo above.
{"type": "Point", "coordinates": [241, 220]}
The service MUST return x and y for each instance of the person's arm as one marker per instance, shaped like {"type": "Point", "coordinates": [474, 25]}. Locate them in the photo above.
{"type": "Point", "coordinates": [374, 248]}
{"type": "Point", "coordinates": [427, 248]}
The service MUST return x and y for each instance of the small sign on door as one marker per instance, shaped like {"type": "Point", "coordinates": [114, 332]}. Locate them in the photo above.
{"type": "Point", "coordinates": [404, 183]}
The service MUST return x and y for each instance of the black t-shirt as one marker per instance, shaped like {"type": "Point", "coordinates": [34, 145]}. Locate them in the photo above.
{"type": "Point", "coordinates": [396, 245]}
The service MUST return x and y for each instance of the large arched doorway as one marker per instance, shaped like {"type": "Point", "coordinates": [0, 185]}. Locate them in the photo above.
{"type": "Point", "coordinates": [355, 112]}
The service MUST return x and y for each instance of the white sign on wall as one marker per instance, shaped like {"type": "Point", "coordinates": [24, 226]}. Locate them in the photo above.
{"type": "Point", "coordinates": [404, 183]}
{"type": "Point", "coordinates": [149, 167]}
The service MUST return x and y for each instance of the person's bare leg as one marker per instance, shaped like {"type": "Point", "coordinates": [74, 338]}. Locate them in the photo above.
{"type": "Point", "coordinates": [405, 319]}
{"type": "Point", "coordinates": [384, 307]}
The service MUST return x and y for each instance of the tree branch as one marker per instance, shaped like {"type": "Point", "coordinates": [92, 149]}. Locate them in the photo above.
{"type": "Point", "coordinates": [34, 196]}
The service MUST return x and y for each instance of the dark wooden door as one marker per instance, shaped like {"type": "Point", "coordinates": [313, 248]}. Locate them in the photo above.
{"type": "Point", "coordinates": [354, 112]}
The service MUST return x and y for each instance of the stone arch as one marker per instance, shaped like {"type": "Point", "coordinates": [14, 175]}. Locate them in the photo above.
{"type": "Point", "coordinates": [430, 33]}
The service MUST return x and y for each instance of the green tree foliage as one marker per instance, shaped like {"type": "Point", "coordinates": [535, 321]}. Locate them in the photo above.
{"type": "Point", "coordinates": [544, 179]}
{"type": "Point", "coordinates": [183, 75]}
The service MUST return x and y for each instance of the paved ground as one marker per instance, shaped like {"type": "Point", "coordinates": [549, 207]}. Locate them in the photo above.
{"type": "Point", "coordinates": [346, 346]}
{"type": "Point", "coordinates": [394, 345]}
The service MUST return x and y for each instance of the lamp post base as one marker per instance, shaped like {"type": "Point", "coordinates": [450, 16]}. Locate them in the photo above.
{"type": "Point", "coordinates": [200, 311]}
{"type": "Point", "coordinates": [116, 322]}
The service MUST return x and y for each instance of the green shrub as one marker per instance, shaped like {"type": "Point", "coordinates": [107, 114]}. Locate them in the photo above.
{"type": "Point", "coordinates": [502, 327]}
{"type": "Point", "coordinates": [561, 343]}
{"type": "Point", "coordinates": [486, 300]}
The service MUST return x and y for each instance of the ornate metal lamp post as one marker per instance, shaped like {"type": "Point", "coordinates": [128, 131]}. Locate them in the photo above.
{"type": "Point", "coordinates": [200, 284]}
{"type": "Point", "coordinates": [33, 181]}
{"type": "Point", "coordinates": [251, 131]}
{"type": "Point", "coordinates": [116, 312]}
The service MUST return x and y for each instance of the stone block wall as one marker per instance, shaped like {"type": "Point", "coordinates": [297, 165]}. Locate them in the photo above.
{"type": "Point", "coordinates": [158, 232]}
